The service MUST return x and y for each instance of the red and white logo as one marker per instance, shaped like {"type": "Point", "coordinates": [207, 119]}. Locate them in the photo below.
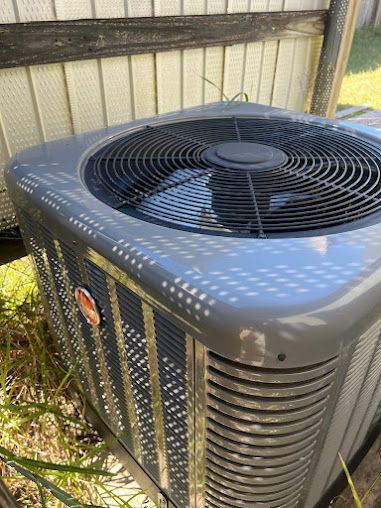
{"type": "Point", "coordinates": [87, 306]}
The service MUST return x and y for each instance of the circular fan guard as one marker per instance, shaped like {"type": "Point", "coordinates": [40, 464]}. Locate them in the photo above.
{"type": "Point", "coordinates": [162, 173]}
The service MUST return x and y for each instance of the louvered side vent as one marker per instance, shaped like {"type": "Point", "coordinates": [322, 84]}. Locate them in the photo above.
{"type": "Point", "coordinates": [349, 402]}
{"type": "Point", "coordinates": [365, 397]}
{"type": "Point", "coordinates": [136, 350]}
{"type": "Point", "coordinates": [262, 427]}
{"type": "Point", "coordinates": [171, 349]}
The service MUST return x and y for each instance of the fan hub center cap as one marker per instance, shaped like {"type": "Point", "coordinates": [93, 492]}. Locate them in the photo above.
{"type": "Point", "coordinates": [249, 156]}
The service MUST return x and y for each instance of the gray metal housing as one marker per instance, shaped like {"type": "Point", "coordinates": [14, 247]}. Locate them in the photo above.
{"type": "Point", "coordinates": [281, 336]}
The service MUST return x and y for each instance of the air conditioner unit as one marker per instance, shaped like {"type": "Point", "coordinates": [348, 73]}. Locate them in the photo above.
{"type": "Point", "coordinates": [217, 274]}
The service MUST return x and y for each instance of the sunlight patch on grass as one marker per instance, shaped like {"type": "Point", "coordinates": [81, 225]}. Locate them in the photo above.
{"type": "Point", "coordinates": [362, 82]}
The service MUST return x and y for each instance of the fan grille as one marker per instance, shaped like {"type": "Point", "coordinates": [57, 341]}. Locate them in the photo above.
{"type": "Point", "coordinates": [159, 173]}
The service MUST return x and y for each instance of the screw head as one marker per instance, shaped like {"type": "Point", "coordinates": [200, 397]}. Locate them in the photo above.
{"type": "Point", "coordinates": [162, 502]}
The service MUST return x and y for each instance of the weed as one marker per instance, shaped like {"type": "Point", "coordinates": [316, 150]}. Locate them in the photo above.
{"type": "Point", "coordinates": [49, 455]}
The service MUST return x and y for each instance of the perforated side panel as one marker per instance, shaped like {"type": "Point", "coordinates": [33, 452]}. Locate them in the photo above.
{"type": "Point", "coordinates": [136, 350]}
{"type": "Point", "coordinates": [99, 291]}
{"type": "Point", "coordinates": [338, 425]}
{"type": "Point", "coordinates": [171, 350]}
{"type": "Point", "coordinates": [28, 228]}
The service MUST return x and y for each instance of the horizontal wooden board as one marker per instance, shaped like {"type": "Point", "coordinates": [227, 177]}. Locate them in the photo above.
{"type": "Point", "coordinates": [61, 41]}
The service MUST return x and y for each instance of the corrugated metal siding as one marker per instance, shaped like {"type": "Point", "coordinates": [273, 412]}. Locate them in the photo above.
{"type": "Point", "coordinates": [46, 102]}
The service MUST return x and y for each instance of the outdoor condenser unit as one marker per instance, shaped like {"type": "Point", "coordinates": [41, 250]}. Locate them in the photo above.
{"type": "Point", "coordinates": [216, 273]}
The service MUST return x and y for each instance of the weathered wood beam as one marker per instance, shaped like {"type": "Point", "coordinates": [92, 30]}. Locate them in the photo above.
{"type": "Point", "coordinates": [340, 28]}
{"type": "Point", "coordinates": [62, 41]}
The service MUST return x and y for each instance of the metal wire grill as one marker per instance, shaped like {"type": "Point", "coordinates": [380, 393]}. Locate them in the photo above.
{"type": "Point", "coordinates": [160, 173]}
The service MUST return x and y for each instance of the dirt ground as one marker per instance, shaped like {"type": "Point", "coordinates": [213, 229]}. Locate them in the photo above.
{"type": "Point", "coordinates": [366, 473]}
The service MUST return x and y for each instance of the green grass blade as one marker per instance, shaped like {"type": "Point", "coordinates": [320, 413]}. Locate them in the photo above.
{"type": "Point", "coordinates": [356, 497]}
{"type": "Point", "coordinates": [58, 493]}
{"type": "Point", "coordinates": [40, 464]}
{"type": "Point", "coordinates": [216, 86]}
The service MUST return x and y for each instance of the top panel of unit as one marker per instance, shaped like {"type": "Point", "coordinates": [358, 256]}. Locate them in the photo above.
{"type": "Point", "coordinates": [241, 176]}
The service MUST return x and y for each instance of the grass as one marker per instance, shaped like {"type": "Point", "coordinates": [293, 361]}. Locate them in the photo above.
{"type": "Point", "coordinates": [49, 455]}
{"type": "Point", "coordinates": [362, 82]}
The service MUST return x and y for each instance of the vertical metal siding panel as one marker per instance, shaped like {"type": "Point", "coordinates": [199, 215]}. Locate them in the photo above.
{"type": "Point", "coordinates": [169, 65]}
{"type": "Point", "coordinates": [238, 6]}
{"type": "Point", "coordinates": [43, 10]}
{"type": "Point", "coordinates": [114, 73]}
{"type": "Point", "coordinates": [193, 62]}
{"type": "Point", "coordinates": [85, 95]}
{"type": "Point", "coordinates": [298, 88]}
{"type": "Point", "coordinates": [193, 68]}
{"type": "Point", "coordinates": [213, 69]}
{"type": "Point", "coordinates": [117, 89]}
{"type": "Point", "coordinates": [47, 82]}
{"type": "Point", "coordinates": [252, 70]}
{"type": "Point", "coordinates": [235, 56]}
{"type": "Point", "coordinates": [270, 50]}
{"type": "Point", "coordinates": [51, 94]}
{"type": "Point", "coordinates": [300, 69]}
{"type": "Point", "coordinates": [216, 6]}
{"type": "Point", "coordinates": [140, 8]}
{"type": "Point", "coordinates": [109, 8]}
{"type": "Point", "coordinates": [233, 67]}
{"type": "Point", "coordinates": [7, 13]}
{"type": "Point", "coordinates": [17, 110]}
{"type": "Point", "coordinates": [83, 77]}
{"type": "Point", "coordinates": [72, 9]}
{"type": "Point", "coordinates": [254, 56]}
{"type": "Point", "coordinates": [143, 77]}
{"type": "Point", "coordinates": [284, 73]}
{"type": "Point", "coordinates": [142, 68]}
{"type": "Point", "coordinates": [7, 212]}
{"type": "Point", "coordinates": [349, 393]}
{"type": "Point", "coordinates": [269, 60]}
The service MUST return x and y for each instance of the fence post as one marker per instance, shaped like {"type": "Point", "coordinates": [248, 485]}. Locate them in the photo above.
{"type": "Point", "coordinates": [377, 16]}
{"type": "Point", "coordinates": [339, 31]}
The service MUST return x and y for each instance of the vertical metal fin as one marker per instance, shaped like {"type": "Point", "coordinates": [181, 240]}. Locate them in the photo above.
{"type": "Point", "coordinates": [126, 380]}
{"type": "Point", "coordinates": [172, 352]}
{"type": "Point", "coordinates": [131, 314]}
{"type": "Point", "coordinates": [70, 270]}
{"type": "Point", "coordinates": [200, 421]}
{"type": "Point", "coordinates": [149, 326]}
{"type": "Point", "coordinates": [107, 352]}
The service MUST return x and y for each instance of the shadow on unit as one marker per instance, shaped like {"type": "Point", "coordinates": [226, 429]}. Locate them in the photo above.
{"type": "Point", "coordinates": [217, 272]}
